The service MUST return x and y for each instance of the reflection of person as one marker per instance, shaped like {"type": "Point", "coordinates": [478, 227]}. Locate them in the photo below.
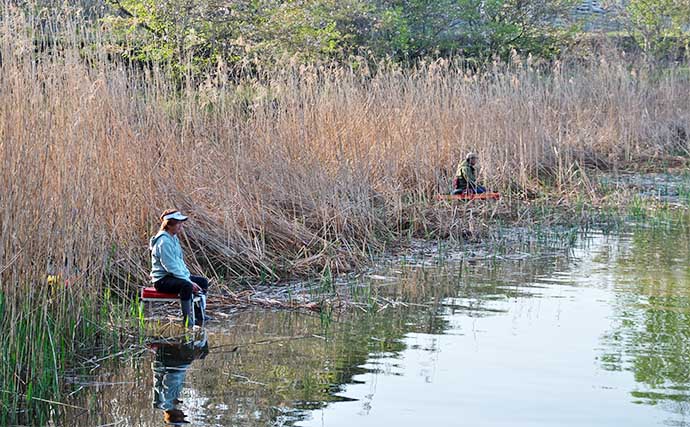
{"type": "Point", "coordinates": [466, 177]}
{"type": "Point", "coordinates": [170, 274]}
{"type": "Point", "coordinates": [169, 371]}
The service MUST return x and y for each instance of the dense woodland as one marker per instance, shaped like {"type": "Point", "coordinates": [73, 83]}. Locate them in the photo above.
{"type": "Point", "coordinates": [209, 35]}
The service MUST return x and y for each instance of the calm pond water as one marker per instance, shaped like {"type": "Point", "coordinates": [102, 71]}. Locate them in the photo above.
{"type": "Point", "coordinates": [591, 332]}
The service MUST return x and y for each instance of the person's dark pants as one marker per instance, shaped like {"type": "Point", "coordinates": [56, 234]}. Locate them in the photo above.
{"type": "Point", "coordinates": [469, 190]}
{"type": "Point", "coordinates": [461, 186]}
{"type": "Point", "coordinates": [173, 285]}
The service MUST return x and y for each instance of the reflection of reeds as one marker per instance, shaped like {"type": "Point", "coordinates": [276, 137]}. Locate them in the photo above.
{"type": "Point", "coordinates": [287, 174]}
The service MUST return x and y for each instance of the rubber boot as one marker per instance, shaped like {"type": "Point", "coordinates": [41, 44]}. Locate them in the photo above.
{"type": "Point", "coordinates": [187, 313]}
{"type": "Point", "coordinates": [202, 305]}
{"type": "Point", "coordinates": [198, 313]}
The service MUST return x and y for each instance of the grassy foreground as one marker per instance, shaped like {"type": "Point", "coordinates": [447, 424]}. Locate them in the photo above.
{"type": "Point", "coordinates": [286, 173]}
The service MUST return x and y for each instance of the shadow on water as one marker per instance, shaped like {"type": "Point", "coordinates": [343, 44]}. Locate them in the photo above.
{"type": "Point", "coordinates": [599, 321]}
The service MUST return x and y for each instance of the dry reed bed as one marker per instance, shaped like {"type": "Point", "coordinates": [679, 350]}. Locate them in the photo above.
{"type": "Point", "coordinates": [314, 167]}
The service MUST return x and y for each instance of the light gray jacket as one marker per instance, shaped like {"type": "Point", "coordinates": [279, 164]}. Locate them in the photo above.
{"type": "Point", "coordinates": [166, 257]}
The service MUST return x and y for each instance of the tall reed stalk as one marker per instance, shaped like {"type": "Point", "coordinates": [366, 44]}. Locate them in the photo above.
{"type": "Point", "coordinates": [288, 172]}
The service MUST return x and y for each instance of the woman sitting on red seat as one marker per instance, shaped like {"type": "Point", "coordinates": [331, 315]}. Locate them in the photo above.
{"type": "Point", "coordinates": [170, 274]}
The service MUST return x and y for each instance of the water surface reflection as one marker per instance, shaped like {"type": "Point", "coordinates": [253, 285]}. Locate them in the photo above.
{"type": "Point", "coordinates": [593, 333]}
{"type": "Point", "coordinates": [171, 362]}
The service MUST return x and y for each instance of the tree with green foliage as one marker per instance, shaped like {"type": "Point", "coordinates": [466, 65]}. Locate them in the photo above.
{"type": "Point", "coordinates": [659, 27]}
{"type": "Point", "coordinates": [196, 34]}
{"type": "Point", "coordinates": [200, 33]}
{"type": "Point", "coordinates": [475, 28]}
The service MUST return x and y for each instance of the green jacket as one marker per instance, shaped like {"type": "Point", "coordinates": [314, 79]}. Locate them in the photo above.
{"type": "Point", "coordinates": [466, 175]}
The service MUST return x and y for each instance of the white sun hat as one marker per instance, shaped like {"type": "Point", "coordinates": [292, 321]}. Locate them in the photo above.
{"type": "Point", "coordinates": [177, 215]}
